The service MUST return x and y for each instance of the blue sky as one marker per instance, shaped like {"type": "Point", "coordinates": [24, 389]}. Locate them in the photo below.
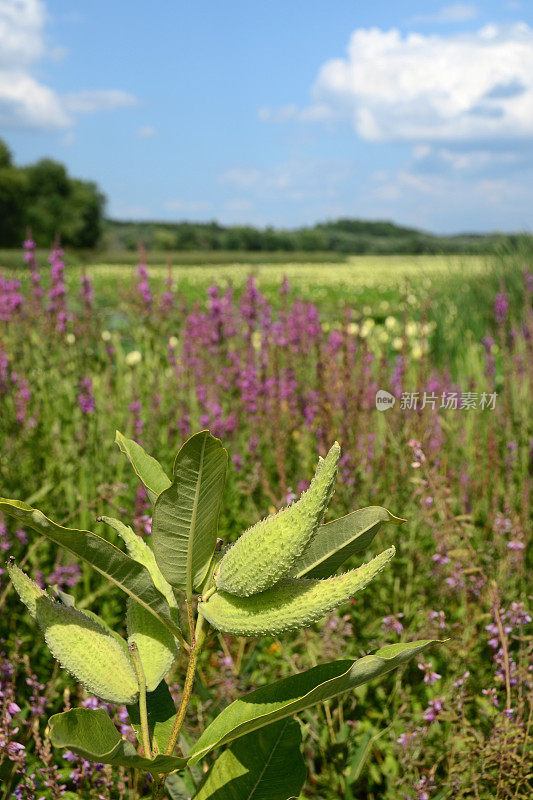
{"type": "Point", "coordinates": [280, 113]}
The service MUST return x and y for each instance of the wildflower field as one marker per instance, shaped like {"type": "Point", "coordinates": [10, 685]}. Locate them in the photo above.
{"type": "Point", "coordinates": [279, 361]}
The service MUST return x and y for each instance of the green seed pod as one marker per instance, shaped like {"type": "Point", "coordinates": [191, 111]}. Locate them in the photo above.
{"type": "Point", "coordinates": [156, 645]}
{"type": "Point", "coordinates": [292, 603]}
{"type": "Point", "coordinates": [266, 552]}
{"type": "Point", "coordinates": [28, 591]}
{"type": "Point", "coordinates": [86, 650]}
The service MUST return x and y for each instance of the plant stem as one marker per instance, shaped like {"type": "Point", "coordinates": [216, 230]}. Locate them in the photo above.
{"type": "Point", "coordinates": [186, 695]}
{"type": "Point", "coordinates": [145, 731]}
{"type": "Point", "coordinates": [199, 636]}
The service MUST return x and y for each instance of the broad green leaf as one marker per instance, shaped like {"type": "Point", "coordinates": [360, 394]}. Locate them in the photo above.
{"type": "Point", "coordinates": [264, 765]}
{"type": "Point", "coordinates": [185, 518]}
{"type": "Point", "coordinates": [148, 470]}
{"type": "Point", "coordinates": [139, 550]}
{"type": "Point", "coordinates": [179, 787]}
{"type": "Point", "coordinates": [92, 735]}
{"type": "Point", "coordinates": [290, 695]}
{"type": "Point", "coordinates": [340, 539]}
{"type": "Point", "coordinates": [161, 715]}
{"type": "Point", "coordinates": [126, 573]}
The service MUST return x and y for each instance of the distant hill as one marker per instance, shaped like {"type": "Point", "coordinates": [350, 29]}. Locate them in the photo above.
{"type": "Point", "coordinates": [348, 236]}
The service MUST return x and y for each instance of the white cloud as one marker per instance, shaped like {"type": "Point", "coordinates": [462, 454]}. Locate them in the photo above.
{"type": "Point", "coordinates": [456, 12]}
{"type": "Point", "coordinates": [21, 32]}
{"type": "Point", "coordinates": [460, 87]}
{"type": "Point", "coordinates": [187, 206]}
{"type": "Point", "coordinates": [25, 102]}
{"type": "Point", "coordinates": [296, 181]}
{"type": "Point", "coordinates": [91, 101]}
{"type": "Point", "coordinates": [146, 132]}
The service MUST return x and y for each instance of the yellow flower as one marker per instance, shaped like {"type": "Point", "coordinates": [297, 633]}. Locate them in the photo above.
{"type": "Point", "coordinates": [173, 342]}
{"type": "Point", "coordinates": [133, 358]}
{"type": "Point", "coordinates": [366, 327]}
{"type": "Point", "coordinates": [106, 336]}
{"type": "Point", "coordinates": [397, 343]}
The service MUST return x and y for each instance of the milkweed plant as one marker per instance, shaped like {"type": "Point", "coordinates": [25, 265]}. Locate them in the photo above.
{"type": "Point", "coordinates": [280, 575]}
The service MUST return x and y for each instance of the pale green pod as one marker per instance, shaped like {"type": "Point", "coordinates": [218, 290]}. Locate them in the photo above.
{"type": "Point", "coordinates": [139, 550]}
{"type": "Point", "coordinates": [266, 552]}
{"type": "Point", "coordinates": [29, 591]}
{"type": "Point", "coordinates": [156, 645]}
{"type": "Point", "coordinates": [84, 648]}
{"type": "Point", "coordinates": [293, 603]}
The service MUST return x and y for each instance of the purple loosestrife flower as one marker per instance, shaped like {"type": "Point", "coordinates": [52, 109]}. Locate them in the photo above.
{"type": "Point", "coordinates": [423, 787]}
{"type": "Point", "coordinates": [434, 709]}
{"type": "Point", "coordinates": [418, 454]}
{"type": "Point", "coordinates": [392, 623]}
{"type": "Point", "coordinates": [22, 399]}
{"type": "Point", "coordinates": [4, 370]}
{"type": "Point", "coordinates": [37, 290]}
{"type": "Point", "coordinates": [459, 682]}
{"type": "Point", "coordinates": [440, 616]}
{"type": "Point", "coordinates": [11, 299]}
{"type": "Point", "coordinates": [86, 291]}
{"type": "Point", "coordinates": [86, 400]}
{"type": "Point", "coordinates": [142, 521]}
{"type": "Point", "coordinates": [57, 291]}
{"type": "Point", "coordinates": [430, 676]}
{"type": "Point", "coordinates": [501, 307]}
{"type": "Point", "coordinates": [65, 576]}
{"type": "Point", "coordinates": [285, 287]}
{"type": "Point", "coordinates": [135, 409]}
{"type": "Point", "coordinates": [167, 301]}
{"type": "Point", "coordinates": [143, 286]}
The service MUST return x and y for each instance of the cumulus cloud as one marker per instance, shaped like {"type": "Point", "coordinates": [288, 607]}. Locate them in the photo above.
{"type": "Point", "coordinates": [187, 206]}
{"type": "Point", "coordinates": [21, 27]}
{"type": "Point", "coordinates": [91, 101]}
{"type": "Point", "coordinates": [456, 87]}
{"type": "Point", "coordinates": [456, 12]}
{"type": "Point", "coordinates": [25, 102]}
{"type": "Point", "coordinates": [146, 132]}
{"type": "Point", "coordinates": [296, 180]}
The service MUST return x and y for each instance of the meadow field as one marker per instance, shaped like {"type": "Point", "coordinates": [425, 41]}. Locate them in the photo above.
{"type": "Point", "coordinates": [279, 358]}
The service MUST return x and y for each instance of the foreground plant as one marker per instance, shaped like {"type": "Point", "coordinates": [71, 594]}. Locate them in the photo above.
{"type": "Point", "coordinates": [278, 576]}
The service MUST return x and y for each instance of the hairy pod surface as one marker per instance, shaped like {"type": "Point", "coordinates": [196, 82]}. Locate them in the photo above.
{"type": "Point", "coordinates": [156, 645]}
{"type": "Point", "coordinates": [95, 658]}
{"type": "Point", "coordinates": [28, 590]}
{"type": "Point", "coordinates": [291, 604]}
{"type": "Point", "coordinates": [266, 552]}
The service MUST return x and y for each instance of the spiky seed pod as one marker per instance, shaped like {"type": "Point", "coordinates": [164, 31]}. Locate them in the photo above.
{"type": "Point", "coordinates": [291, 604]}
{"type": "Point", "coordinates": [266, 552]}
{"type": "Point", "coordinates": [156, 645]}
{"type": "Point", "coordinates": [29, 591]}
{"type": "Point", "coordinates": [95, 658]}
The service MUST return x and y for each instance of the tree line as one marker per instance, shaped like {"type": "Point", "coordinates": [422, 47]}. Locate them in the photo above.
{"type": "Point", "coordinates": [44, 198]}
